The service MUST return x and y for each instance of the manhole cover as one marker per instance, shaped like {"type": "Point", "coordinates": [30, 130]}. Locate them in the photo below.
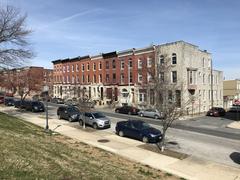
{"type": "Point", "coordinates": [103, 140]}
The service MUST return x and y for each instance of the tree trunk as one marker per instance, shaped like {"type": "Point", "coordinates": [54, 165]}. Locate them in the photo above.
{"type": "Point", "coordinates": [163, 141]}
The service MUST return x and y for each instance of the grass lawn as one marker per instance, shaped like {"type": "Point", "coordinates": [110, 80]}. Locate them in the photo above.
{"type": "Point", "coordinates": [27, 152]}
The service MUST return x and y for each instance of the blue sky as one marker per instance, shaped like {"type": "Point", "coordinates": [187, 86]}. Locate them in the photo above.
{"type": "Point", "coordinates": [69, 28]}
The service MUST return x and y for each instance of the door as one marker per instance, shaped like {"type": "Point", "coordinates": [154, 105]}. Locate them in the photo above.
{"type": "Point", "coordinates": [88, 119]}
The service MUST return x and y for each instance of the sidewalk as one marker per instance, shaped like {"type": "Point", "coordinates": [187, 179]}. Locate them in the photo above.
{"type": "Point", "coordinates": [189, 168]}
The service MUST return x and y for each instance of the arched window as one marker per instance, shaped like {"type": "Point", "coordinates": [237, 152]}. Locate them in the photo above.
{"type": "Point", "coordinates": [174, 58]}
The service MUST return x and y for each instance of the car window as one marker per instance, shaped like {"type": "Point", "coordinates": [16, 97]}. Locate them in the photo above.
{"type": "Point", "coordinates": [88, 115]}
{"type": "Point", "coordinates": [98, 115]}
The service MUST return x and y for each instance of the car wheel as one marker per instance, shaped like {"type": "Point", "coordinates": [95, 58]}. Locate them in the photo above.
{"type": "Point", "coordinates": [59, 117]}
{"type": "Point", "coordinates": [156, 117]}
{"type": "Point", "coordinates": [120, 133]}
{"type": "Point", "coordinates": [141, 114]}
{"type": "Point", "coordinates": [129, 113]}
{"type": "Point", "coordinates": [145, 139]}
{"type": "Point", "coordinates": [95, 126]}
{"type": "Point", "coordinates": [70, 119]}
{"type": "Point", "coordinates": [117, 111]}
{"type": "Point", "coordinates": [81, 122]}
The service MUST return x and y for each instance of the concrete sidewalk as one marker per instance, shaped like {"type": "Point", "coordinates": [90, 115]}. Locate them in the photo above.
{"type": "Point", "coordinates": [189, 168]}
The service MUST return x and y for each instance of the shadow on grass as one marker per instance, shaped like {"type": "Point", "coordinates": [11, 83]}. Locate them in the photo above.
{"type": "Point", "coordinates": [235, 156]}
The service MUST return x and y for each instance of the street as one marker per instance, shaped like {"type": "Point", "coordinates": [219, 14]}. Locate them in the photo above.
{"type": "Point", "coordinates": [202, 145]}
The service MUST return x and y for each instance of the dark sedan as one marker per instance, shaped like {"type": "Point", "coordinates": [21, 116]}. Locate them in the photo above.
{"type": "Point", "coordinates": [70, 113]}
{"type": "Point", "coordinates": [138, 129]}
{"type": "Point", "coordinates": [57, 100]}
{"type": "Point", "coordinates": [9, 101]}
{"type": "Point", "coordinates": [216, 112]}
{"type": "Point", "coordinates": [34, 106]}
{"type": "Point", "coordinates": [127, 110]}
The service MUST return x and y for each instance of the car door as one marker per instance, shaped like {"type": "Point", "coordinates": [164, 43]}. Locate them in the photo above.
{"type": "Point", "coordinates": [147, 113]}
{"type": "Point", "coordinates": [88, 119]}
{"type": "Point", "coordinates": [135, 132]}
{"type": "Point", "coordinates": [65, 113]}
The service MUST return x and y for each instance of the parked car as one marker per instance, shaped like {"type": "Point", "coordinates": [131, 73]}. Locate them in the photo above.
{"type": "Point", "coordinates": [71, 102]}
{"type": "Point", "coordinates": [138, 129]}
{"type": "Point", "coordinates": [57, 100]}
{"type": "Point", "coordinates": [127, 110]}
{"type": "Point", "coordinates": [216, 112]}
{"type": "Point", "coordinates": [1, 99]}
{"type": "Point", "coordinates": [34, 106]}
{"type": "Point", "coordinates": [234, 109]}
{"type": "Point", "coordinates": [20, 104]}
{"type": "Point", "coordinates": [9, 101]}
{"type": "Point", "coordinates": [95, 119]}
{"type": "Point", "coordinates": [153, 113]}
{"type": "Point", "coordinates": [70, 113]}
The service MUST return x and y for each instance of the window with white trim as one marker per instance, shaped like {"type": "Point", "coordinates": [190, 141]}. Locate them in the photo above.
{"type": "Point", "coordinates": [174, 76]}
{"type": "Point", "coordinates": [139, 63]}
{"type": "Point", "coordinates": [139, 76]}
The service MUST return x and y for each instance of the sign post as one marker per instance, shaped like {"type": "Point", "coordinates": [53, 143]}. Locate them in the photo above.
{"type": "Point", "coordinates": [45, 91]}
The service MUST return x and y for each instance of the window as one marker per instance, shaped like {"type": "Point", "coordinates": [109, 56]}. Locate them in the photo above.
{"type": "Point", "coordinates": [77, 67]}
{"type": "Point", "coordinates": [100, 65]}
{"type": "Point", "coordinates": [190, 77]}
{"type": "Point", "coordinates": [73, 79]}
{"type": "Point", "coordinates": [174, 76]}
{"type": "Point", "coordinates": [107, 77]}
{"type": "Point", "coordinates": [114, 77]}
{"type": "Point", "coordinates": [107, 65]}
{"type": "Point", "coordinates": [203, 62]}
{"type": "Point", "coordinates": [149, 77]}
{"type": "Point", "coordinates": [130, 63]}
{"type": "Point", "coordinates": [83, 67]}
{"type": "Point", "coordinates": [67, 68]}
{"type": "Point", "coordinates": [161, 76]}
{"type": "Point", "coordinates": [94, 78]}
{"type": "Point", "coordinates": [130, 78]}
{"type": "Point", "coordinates": [83, 78]}
{"type": "Point", "coordinates": [140, 77]}
{"type": "Point", "coordinates": [139, 63]}
{"type": "Point", "coordinates": [161, 60]}
{"type": "Point", "coordinates": [178, 98]}
{"type": "Point", "coordinates": [122, 78]}
{"type": "Point", "coordinates": [149, 62]}
{"type": "Point", "coordinates": [77, 79]}
{"type": "Point", "coordinates": [174, 58]}
{"type": "Point", "coordinates": [100, 78]}
{"type": "Point", "coordinates": [88, 66]}
{"type": "Point", "coordinates": [113, 64]}
{"type": "Point", "coordinates": [72, 68]}
{"type": "Point", "coordinates": [142, 95]}
{"type": "Point", "coordinates": [122, 64]}
{"type": "Point", "coordinates": [94, 66]}
{"type": "Point", "coordinates": [203, 78]}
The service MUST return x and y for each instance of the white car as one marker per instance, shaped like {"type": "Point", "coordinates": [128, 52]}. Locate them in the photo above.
{"type": "Point", "coordinates": [153, 113]}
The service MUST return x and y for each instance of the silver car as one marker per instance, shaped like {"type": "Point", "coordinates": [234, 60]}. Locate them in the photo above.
{"type": "Point", "coordinates": [95, 119]}
{"type": "Point", "coordinates": [153, 113]}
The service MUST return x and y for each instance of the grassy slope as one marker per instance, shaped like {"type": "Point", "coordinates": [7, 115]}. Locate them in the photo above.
{"type": "Point", "coordinates": [26, 152]}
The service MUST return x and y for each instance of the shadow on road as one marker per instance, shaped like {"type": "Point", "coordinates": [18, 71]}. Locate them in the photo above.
{"type": "Point", "coordinates": [235, 156]}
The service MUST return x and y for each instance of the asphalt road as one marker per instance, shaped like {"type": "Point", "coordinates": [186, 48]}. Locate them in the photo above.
{"type": "Point", "coordinates": [203, 145]}
{"type": "Point", "coordinates": [206, 125]}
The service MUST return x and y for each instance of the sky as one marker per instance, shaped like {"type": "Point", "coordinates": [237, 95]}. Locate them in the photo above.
{"type": "Point", "coordinates": [71, 28]}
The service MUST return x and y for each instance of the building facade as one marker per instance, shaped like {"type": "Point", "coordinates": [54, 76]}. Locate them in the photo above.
{"type": "Point", "coordinates": [123, 77]}
{"type": "Point", "coordinates": [231, 92]}
{"type": "Point", "coordinates": [30, 78]}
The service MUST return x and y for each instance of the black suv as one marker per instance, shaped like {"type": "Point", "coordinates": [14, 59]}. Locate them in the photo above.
{"type": "Point", "coordinates": [34, 106]}
{"type": "Point", "coordinates": [69, 113]}
{"type": "Point", "coordinates": [127, 110]}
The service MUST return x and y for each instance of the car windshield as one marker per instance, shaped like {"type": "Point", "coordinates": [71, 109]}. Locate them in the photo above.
{"type": "Point", "coordinates": [98, 115]}
{"type": "Point", "coordinates": [142, 125]}
{"type": "Point", "coordinates": [36, 103]}
{"type": "Point", "coordinates": [73, 109]}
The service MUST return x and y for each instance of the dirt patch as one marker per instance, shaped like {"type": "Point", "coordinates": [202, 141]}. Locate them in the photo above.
{"type": "Point", "coordinates": [156, 148]}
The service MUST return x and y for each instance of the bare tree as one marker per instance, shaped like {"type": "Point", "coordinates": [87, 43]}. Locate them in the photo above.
{"type": "Point", "coordinates": [14, 46]}
{"type": "Point", "coordinates": [168, 93]}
